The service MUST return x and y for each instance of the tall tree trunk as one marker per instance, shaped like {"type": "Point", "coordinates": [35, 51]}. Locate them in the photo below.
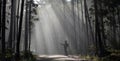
{"type": "Point", "coordinates": [30, 5]}
{"type": "Point", "coordinates": [19, 32]}
{"type": "Point", "coordinates": [82, 19]}
{"type": "Point", "coordinates": [78, 10]}
{"type": "Point", "coordinates": [26, 28]}
{"type": "Point", "coordinates": [74, 20]}
{"type": "Point", "coordinates": [3, 29]}
{"type": "Point", "coordinates": [11, 25]}
{"type": "Point", "coordinates": [16, 20]}
{"type": "Point", "coordinates": [18, 14]}
{"type": "Point", "coordinates": [118, 14]}
{"type": "Point", "coordinates": [114, 28]}
{"type": "Point", "coordinates": [97, 30]}
{"type": "Point", "coordinates": [11, 38]}
{"type": "Point", "coordinates": [0, 22]}
{"type": "Point", "coordinates": [15, 25]}
{"type": "Point", "coordinates": [87, 27]}
{"type": "Point", "coordinates": [102, 23]}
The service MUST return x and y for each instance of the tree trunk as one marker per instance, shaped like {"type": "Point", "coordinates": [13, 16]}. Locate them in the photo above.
{"type": "Point", "coordinates": [97, 30]}
{"type": "Point", "coordinates": [3, 29]}
{"type": "Point", "coordinates": [26, 28]}
{"type": "Point", "coordinates": [29, 24]}
{"type": "Point", "coordinates": [0, 22]}
{"type": "Point", "coordinates": [19, 32]}
{"type": "Point", "coordinates": [11, 25]}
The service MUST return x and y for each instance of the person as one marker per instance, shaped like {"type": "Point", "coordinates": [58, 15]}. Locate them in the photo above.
{"type": "Point", "coordinates": [65, 45]}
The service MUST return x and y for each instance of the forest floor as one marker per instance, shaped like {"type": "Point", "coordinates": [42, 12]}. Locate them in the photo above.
{"type": "Point", "coordinates": [59, 58]}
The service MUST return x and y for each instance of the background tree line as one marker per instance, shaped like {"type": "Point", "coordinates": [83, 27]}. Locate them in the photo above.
{"type": "Point", "coordinates": [102, 26]}
{"type": "Point", "coordinates": [15, 26]}
{"type": "Point", "coordinates": [105, 16]}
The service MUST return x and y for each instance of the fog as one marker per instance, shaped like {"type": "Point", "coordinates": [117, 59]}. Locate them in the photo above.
{"type": "Point", "coordinates": [56, 24]}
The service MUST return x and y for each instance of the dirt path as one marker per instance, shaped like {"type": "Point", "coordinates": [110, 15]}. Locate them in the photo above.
{"type": "Point", "coordinates": [59, 58]}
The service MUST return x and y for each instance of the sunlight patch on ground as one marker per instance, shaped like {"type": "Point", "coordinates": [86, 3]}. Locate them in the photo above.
{"type": "Point", "coordinates": [60, 58]}
{"type": "Point", "coordinates": [53, 56]}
